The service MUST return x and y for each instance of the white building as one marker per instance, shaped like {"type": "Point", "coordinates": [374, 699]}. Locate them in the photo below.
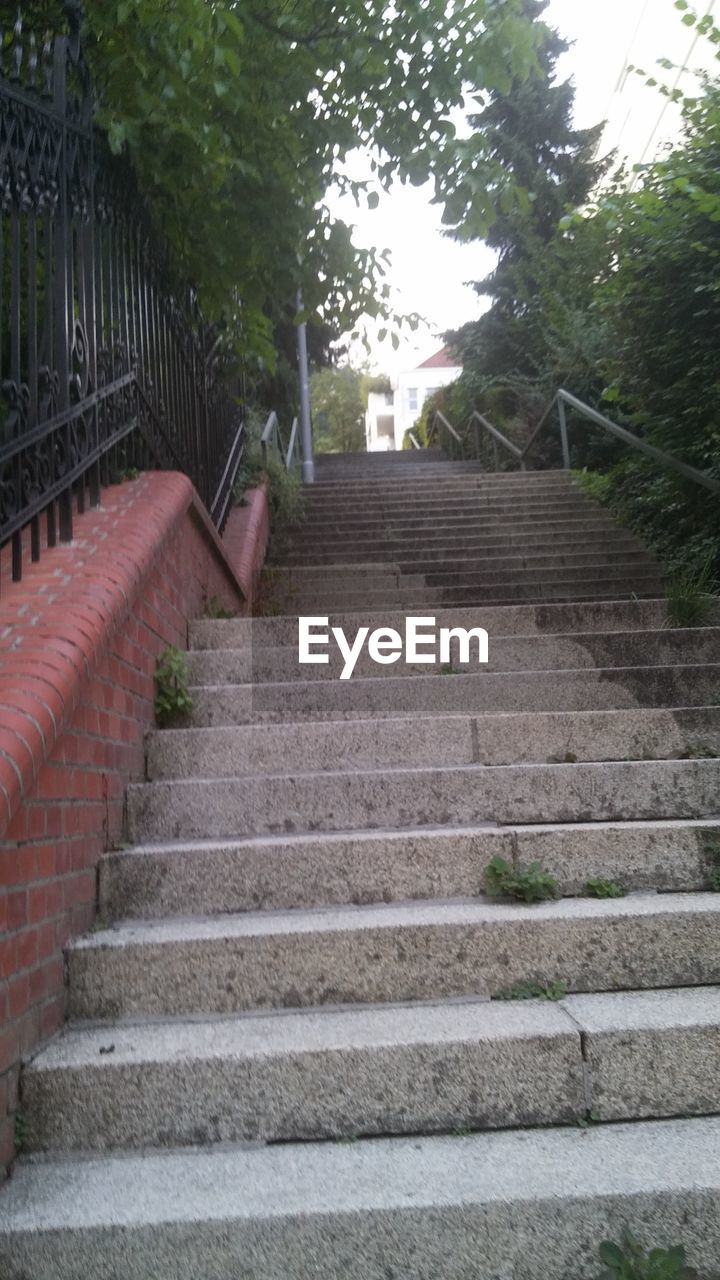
{"type": "Point", "coordinates": [389, 415]}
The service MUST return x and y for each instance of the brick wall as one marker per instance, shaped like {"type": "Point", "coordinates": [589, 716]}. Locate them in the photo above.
{"type": "Point", "coordinates": [246, 538]}
{"type": "Point", "coordinates": [79, 639]}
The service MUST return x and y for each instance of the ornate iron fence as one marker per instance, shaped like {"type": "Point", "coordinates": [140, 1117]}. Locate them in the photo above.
{"type": "Point", "coordinates": [105, 364]}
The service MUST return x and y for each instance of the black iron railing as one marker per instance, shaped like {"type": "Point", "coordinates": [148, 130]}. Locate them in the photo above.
{"type": "Point", "coordinates": [106, 364]}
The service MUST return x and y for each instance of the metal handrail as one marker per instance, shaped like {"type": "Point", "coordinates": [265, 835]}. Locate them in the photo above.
{"type": "Point", "coordinates": [455, 442]}
{"type": "Point", "coordinates": [497, 438]}
{"type": "Point", "coordinates": [291, 461]}
{"type": "Point", "coordinates": [414, 440]}
{"type": "Point", "coordinates": [561, 399]}
{"type": "Point", "coordinates": [271, 438]}
{"type": "Point", "coordinates": [564, 397]}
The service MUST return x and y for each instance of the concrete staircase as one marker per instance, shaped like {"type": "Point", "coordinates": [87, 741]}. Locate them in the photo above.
{"type": "Point", "coordinates": [287, 1056]}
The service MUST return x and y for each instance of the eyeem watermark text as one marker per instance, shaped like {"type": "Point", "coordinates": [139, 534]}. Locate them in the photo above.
{"type": "Point", "coordinates": [422, 643]}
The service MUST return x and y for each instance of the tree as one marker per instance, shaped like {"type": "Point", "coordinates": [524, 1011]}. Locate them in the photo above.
{"type": "Point", "coordinates": [524, 140]}
{"type": "Point", "coordinates": [238, 116]}
{"type": "Point", "coordinates": [338, 410]}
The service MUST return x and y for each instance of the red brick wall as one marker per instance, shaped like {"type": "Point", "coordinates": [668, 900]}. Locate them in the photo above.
{"type": "Point", "coordinates": [246, 538]}
{"type": "Point", "coordinates": [79, 639]}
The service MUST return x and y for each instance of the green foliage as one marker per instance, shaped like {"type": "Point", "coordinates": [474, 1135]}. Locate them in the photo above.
{"type": "Point", "coordinates": [601, 888]}
{"type": "Point", "coordinates": [552, 991]}
{"type": "Point", "coordinates": [172, 700]}
{"type": "Point", "coordinates": [630, 1262]}
{"type": "Point", "coordinates": [22, 1131]}
{"type": "Point", "coordinates": [238, 117]}
{"type": "Point", "coordinates": [447, 669]}
{"type": "Point", "coordinates": [514, 354]}
{"type": "Point", "coordinates": [691, 597]}
{"type": "Point", "coordinates": [524, 884]}
{"type": "Point", "coordinates": [338, 399]}
{"type": "Point", "coordinates": [284, 488]}
{"type": "Point", "coordinates": [216, 610]}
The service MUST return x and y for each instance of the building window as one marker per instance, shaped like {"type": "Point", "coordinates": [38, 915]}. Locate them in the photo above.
{"type": "Point", "coordinates": [412, 398]}
{"type": "Point", "coordinates": [389, 397]}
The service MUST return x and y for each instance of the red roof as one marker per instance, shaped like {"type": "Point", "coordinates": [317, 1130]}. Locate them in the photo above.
{"type": "Point", "coordinates": [442, 359]}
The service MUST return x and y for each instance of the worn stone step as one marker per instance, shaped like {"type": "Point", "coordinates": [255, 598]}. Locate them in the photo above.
{"type": "Point", "coordinates": [529, 620]}
{"type": "Point", "coordinates": [385, 1070]}
{"type": "Point", "coordinates": [505, 653]}
{"type": "Point", "coordinates": [567, 585]}
{"type": "Point", "coordinates": [485, 692]}
{"type": "Point", "coordinates": [456, 568]}
{"type": "Point", "coordinates": [487, 498]}
{"type": "Point", "coordinates": [444, 481]}
{"type": "Point", "coordinates": [411, 518]}
{"type": "Point", "coordinates": [437, 551]}
{"type": "Point", "coordinates": [424, 530]}
{"type": "Point", "coordinates": [425, 1207]}
{"type": "Point", "coordinates": [380, 954]}
{"type": "Point", "coordinates": [277, 873]}
{"type": "Point", "coordinates": [325, 1074]}
{"type": "Point", "coordinates": [476, 575]}
{"type": "Point", "coordinates": [196, 808]}
{"type": "Point", "coordinates": [538, 738]}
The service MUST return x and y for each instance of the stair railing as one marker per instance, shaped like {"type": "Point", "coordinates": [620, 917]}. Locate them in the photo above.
{"type": "Point", "coordinates": [562, 401]}
{"type": "Point", "coordinates": [271, 442]}
{"type": "Point", "coordinates": [443, 433]}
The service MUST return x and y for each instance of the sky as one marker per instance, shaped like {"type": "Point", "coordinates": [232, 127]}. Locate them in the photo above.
{"type": "Point", "coordinates": [429, 272]}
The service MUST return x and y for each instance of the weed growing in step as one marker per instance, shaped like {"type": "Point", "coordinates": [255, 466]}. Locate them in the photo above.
{"type": "Point", "coordinates": [534, 991]}
{"type": "Point", "coordinates": [601, 888]}
{"type": "Point", "coordinates": [22, 1131]}
{"type": "Point", "coordinates": [568, 758]}
{"type": "Point", "coordinates": [215, 609]}
{"type": "Point", "coordinates": [522, 884]}
{"type": "Point", "coordinates": [692, 598]}
{"type": "Point", "coordinates": [699, 751]}
{"type": "Point", "coordinates": [172, 700]}
{"type": "Point", "coordinates": [629, 1262]}
{"type": "Point", "coordinates": [710, 845]}
{"type": "Point", "coordinates": [447, 669]}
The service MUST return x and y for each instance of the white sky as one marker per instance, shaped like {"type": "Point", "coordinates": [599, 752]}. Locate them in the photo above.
{"type": "Point", "coordinates": [429, 272]}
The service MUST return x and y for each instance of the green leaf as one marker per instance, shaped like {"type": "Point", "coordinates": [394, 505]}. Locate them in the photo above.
{"type": "Point", "coordinates": [611, 1255]}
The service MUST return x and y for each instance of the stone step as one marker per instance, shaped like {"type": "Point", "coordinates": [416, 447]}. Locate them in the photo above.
{"type": "Point", "coordinates": [473, 574]}
{"type": "Point", "coordinates": [325, 1074]}
{"type": "Point", "coordinates": [435, 551]}
{"type": "Point", "coordinates": [410, 516]}
{"type": "Point", "coordinates": [199, 808]}
{"type": "Point", "coordinates": [282, 873]}
{"type": "Point", "coordinates": [382, 954]}
{"type": "Point", "coordinates": [456, 1207]}
{"type": "Point", "coordinates": [364, 520]}
{"type": "Point", "coordinates": [528, 620]}
{"type": "Point", "coordinates": [417, 600]}
{"type": "Point", "coordinates": [538, 738]}
{"type": "Point", "coordinates": [424, 531]}
{"type": "Point", "coordinates": [267, 664]}
{"type": "Point", "coordinates": [383, 1070]}
{"type": "Point", "coordinates": [440, 478]}
{"type": "Point", "coordinates": [440, 500]}
{"type": "Point", "coordinates": [588, 689]}
{"type": "Point", "coordinates": [455, 568]}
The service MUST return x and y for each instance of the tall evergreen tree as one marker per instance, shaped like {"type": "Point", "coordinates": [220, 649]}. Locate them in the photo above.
{"type": "Point", "coordinates": [527, 129]}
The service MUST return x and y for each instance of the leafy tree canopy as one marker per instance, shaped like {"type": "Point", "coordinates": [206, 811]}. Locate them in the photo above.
{"type": "Point", "coordinates": [238, 116]}
{"type": "Point", "coordinates": [524, 140]}
{"type": "Point", "coordinates": [339, 400]}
